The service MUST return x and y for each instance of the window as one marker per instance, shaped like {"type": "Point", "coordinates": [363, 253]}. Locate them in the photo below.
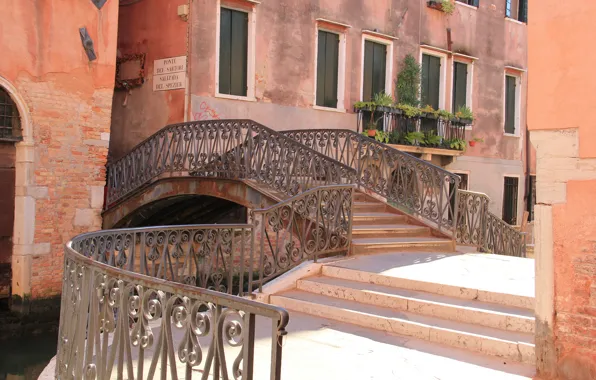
{"type": "Point", "coordinates": [233, 52]}
{"type": "Point", "coordinates": [460, 86]}
{"type": "Point", "coordinates": [473, 3]}
{"type": "Point", "coordinates": [511, 112]}
{"type": "Point", "coordinates": [510, 200]}
{"type": "Point", "coordinates": [431, 81]}
{"type": "Point", "coordinates": [327, 69]}
{"type": "Point", "coordinates": [375, 69]}
{"type": "Point", "coordinates": [9, 116]}
{"type": "Point", "coordinates": [522, 14]}
{"type": "Point", "coordinates": [531, 198]}
{"type": "Point", "coordinates": [517, 10]}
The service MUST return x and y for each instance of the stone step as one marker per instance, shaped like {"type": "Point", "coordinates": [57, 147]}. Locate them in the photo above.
{"type": "Point", "coordinates": [506, 344]}
{"type": "Point", "coordinates": [400, 244]}
{"type": "Point", "coordinates": [361, 197]}
{"type": "Point", "coordinates": [369, 218]}
{"type": "Point", "coordinates": [388, 230]}
{"type": "Point", "coordinates": [451, 308]}
{"type": "Point", "coordinates": [504, 299]}
{"type": "Point", "coordinates": [369, 207]}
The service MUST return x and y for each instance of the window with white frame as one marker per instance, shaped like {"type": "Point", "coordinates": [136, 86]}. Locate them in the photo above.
{"type": "Point", "coordinates": [235, 52]}
{"type": "Point", "coordinates": [376, 66]}
{"type": "Point", "coordinates": [512, 104]}
{"type": "Point", "coordinates": [432, 86]}
{"type": "Point", "coordinates": [462, 86]}
{"type": "Point", "coordinates": [327, 69]}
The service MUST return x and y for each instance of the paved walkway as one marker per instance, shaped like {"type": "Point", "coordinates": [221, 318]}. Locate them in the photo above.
{"type": "Point", "coordinates": [317, 348]}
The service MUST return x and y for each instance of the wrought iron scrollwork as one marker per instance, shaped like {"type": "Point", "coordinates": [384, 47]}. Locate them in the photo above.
{"type": "Point", "coordinates": [131, 323]}
{"type": "Point", "coordinates": [418, 186]}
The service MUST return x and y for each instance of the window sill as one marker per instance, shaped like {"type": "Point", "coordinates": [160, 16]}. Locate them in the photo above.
{"type": "Point", "coordinates": [514, 20]}
{"type": "Point", "coordinates": [466, 5]}
{"type": "Point", "coordinates": [329, 109]}
{"type": "Point", "coordinates": [511, 134]}
{"type": "Point", "coordinates": [236, 97]}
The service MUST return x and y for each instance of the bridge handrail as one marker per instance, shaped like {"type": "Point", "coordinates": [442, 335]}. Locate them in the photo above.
{"type": "Point", "coordinates": [111, 319]}
{"type": "Point", "coordinates": [230, 149]}
{"type": "Point", "coordinates": [416, 185]}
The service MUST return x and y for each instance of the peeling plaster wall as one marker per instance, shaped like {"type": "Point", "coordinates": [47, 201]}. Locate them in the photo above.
{"type": "Point", "coordinates": [65, 106]}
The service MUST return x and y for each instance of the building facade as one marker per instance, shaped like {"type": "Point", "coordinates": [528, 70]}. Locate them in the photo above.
{"type": "Point", "coordinates": [299, 64]}
{"type": "Point", "coordinates": [563, 134]}
{"type": "Point", "coordinates": [57, 71]}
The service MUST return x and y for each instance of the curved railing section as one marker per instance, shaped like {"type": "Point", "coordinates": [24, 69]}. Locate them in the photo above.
{"type": "Point", "coordinates": [122, 322]}
{"type": "Point", "coordinates": [480, 227]}
{"type": "Point", "coordinates": [314, 223]}
{"type": "Point", "coordinates": [227, 149]}
{"type": "Point", "coordinates": [418, 186]}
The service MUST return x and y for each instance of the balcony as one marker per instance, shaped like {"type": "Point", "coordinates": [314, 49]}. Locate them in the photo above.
{"type": "Point", "coordinates": [435, 136]}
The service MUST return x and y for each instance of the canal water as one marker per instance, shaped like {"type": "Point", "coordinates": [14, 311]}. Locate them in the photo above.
{"type": "Point", "coordinates": [25, 358]}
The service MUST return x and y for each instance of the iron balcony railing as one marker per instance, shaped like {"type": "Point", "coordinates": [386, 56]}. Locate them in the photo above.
{"type": "Point", "coordinates": [479, 227]}
{"type": "Point", "coordinates": [124, 320]}
{"type": "Point", "coordinates": [398, 126]}
{"type": "Point", "coordinates": [227, 149]}
{"type": "Point", "coordinates": [415, 185]}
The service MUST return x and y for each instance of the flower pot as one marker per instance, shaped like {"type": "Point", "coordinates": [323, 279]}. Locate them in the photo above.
{"type": "Point", "coordinates": [472, 143]}
{"type": "Point", "coordinates": [372, 132]}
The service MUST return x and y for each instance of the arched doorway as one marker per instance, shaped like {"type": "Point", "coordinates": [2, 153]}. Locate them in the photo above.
{"type": "Point", "coordinates": [10, 133]}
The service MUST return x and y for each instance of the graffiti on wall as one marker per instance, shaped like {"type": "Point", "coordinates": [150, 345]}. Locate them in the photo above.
{"type": "Point", "coordinates": [206, 112]}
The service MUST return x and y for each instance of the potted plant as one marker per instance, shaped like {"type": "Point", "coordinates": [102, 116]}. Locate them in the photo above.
{"type": "Point", "coordinates": [383, 101]}
{"type": "Point", "coordinates": [465, 115]}
{"type": "Point", "coordinates": [432, 139]}
{"type": "Point", "coordinates": [371, 128]}
{"type": "Point", "coordinates": [429, 112]}
{"type": "Point", "coordinates": [442, 5]}
{"type": "Point", "coordinates": [414, 138]}
{"type": "Point", "coordinates": [457, 144]}
{"type": "Point", "coordinates": [475, 140]}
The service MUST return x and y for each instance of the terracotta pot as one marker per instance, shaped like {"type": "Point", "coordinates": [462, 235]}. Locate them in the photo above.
{"type": "Point", "coordinates": [372, 132]}
{"type": "Point", "coordinates": [472, 143]}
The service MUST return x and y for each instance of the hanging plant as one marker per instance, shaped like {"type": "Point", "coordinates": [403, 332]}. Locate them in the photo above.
{"type": "Point", "coordinates": [408, 82]}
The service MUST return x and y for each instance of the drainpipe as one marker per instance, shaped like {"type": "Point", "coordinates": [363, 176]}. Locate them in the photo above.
{"type": "Point", "coordinates": [187, 105]}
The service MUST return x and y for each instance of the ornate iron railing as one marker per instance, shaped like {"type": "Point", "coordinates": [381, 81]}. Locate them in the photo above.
{"type": "Point", "coordinates": [311, 224]}
{"type": "Point", "coordinates": [418, 186]}
{"type": "Point", "coordinates": [479, 227]}
{"type": "Point", "coordinates": [398, 125]}
{"type": "Point", "coordinates": [124, 323]}
{"type": "Point", "coordinates": [230, 149]}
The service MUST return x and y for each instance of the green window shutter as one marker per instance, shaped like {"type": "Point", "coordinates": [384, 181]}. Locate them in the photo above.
{"type": "Point", "coordinates": [460, 85]}
{"type": "Point", "coordinates": [233, 52]}
{"type": "Point", "coordinates": [522, 14]}
{"type": "Point", "coordinates": [327, 69]}
{"type": "Point", "coordinates": [431, 80]}
{"type": "Point", "coordinates": [375, 59]}
{"type": "Point", "coordinates": [510, 104]}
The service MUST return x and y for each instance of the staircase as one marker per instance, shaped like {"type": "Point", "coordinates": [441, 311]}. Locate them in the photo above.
{"type": "Point", "coordinates": [378, 227]}
{"type": "Point", "coordinates": [481, 321]}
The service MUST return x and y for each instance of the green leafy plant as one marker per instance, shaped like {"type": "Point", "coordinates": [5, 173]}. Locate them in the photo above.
{"type": "Point", "coordinates": [408, 82]}
{"type": "Point", "coordinates": [363, 105]}
{"type": "Point", "coordinates": [371, 125]}
{"type": "Point", "coordinates": [463, 112]}
{"type": "Point", "coordinates": [478, 139]}
{"type": "Point", "coordinates": [447, 6]}
{"type": "Point", "coordinates": [414, 138]}
{"type": "Point", "coordinates": [383, 99]}
{"type": "Point", "coordinates": [394, 137]}
{"type": "Point", "coordinates": [445, 115]}
{"type": "Point", "coordinates": [408, 110]}
{"type": "Point", "coordinates": [432, 139]}
{"type": "Point", "coordinates": [457, 144]}
{"type": "Point", "coordinates": [382, 137]}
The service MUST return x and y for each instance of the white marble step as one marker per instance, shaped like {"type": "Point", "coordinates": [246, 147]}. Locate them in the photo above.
{"type": "Point", "coordinates": [506, 344]}
{"type": "Point", "coordinates": [451, 308]}
{"type": "Point", "coordinates": [463, 292]}
{"type": "Point", "coordinates": [401, 243]}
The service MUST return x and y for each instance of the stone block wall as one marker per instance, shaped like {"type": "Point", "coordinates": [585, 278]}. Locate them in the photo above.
{"type": "Point", "coordinates": [64, 100]}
